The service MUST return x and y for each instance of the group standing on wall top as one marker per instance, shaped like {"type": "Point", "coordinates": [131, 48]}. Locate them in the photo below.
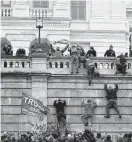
{"type": "Point", "coordinates": [78, 56]}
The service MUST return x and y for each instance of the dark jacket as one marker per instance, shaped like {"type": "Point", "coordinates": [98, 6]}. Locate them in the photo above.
{"type": "Point", "coordinates": [91, 53]}
{"type": "Point", "coordinates": [111, 93]}
{"type": "Point", "coordinates": [110, 53]}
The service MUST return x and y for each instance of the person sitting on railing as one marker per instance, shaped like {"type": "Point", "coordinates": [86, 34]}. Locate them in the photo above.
{"type": "Point", "coordinates": [58, 52]}
{"type": "Point", "coordinates": [21, 52]}
{"type": "Point", "coordinates": [8, 50]}
{"type": "Point", "coordinates": [121, 64]}
{"type": "Point", "coordinates": [91, 52]}
{"type": "Point", "coordinates": [110, 52]}
{"type": "Point", "coordinates": [90, 66]}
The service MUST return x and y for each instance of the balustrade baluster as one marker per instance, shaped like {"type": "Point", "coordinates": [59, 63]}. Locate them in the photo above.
{"type": "Point", "coordinates": [3, 12]}
{"type": "Point", "coordinates": [8, 64]}
{"type": "Point", "coordinates": [9, 12]}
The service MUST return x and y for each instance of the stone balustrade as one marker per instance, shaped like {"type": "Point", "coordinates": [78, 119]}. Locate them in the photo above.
{"type": "Point", "coordinates": [100, 62]}
{"type": "Point", "coordinates": [6, 12]}
{"type": "Point", "coordinates": [62, 65]}
{"type": "Point", "coordinates": [14, 62]}
{"type": "Point", "coordinates": [45, 12]}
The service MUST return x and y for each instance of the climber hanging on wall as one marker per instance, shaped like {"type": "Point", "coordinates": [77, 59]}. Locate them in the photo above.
{"type": "Point", "coordinates": [88, 114]}
{"type": "Point", "coordinates": [90, 66]}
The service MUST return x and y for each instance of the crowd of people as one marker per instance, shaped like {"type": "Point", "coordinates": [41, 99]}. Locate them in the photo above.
{"type": "Point", "coordinates": [85, 136]}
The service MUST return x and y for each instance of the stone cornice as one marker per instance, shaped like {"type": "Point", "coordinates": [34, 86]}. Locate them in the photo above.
{"type": "Point", "coordinates": [49, 23]}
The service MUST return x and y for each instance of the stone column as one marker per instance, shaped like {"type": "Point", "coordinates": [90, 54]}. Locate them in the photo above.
{"type": "Point", "coordinates": [39, 81]}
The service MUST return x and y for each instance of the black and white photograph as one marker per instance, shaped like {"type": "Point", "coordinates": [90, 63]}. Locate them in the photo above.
{"type": "Point", "coordinates": [66, 71]}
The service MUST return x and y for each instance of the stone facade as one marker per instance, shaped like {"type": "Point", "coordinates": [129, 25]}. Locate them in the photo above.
{"type": "Point", "coordinates": [41, 78]}
{"type": "Point", "coordinates": [46, 83]}
{"type": "Point", "coordinates": [104, 25]}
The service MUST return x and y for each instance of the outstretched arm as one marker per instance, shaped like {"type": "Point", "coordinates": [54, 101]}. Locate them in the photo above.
{"type": "Point", "coordinates": [105, 54]}
{"type": "Point", "coordinates": [63, 50]}
{"type": "Point", "coordinates": [116, 87]}
{"type": "Point", "coordinates": [105, 87]}
{"type": "Point", "coordinates": [94, 104]}
{"type": "Point", "coordinates": [52, 48]}
{"type": "Point", "coordinates": [82, 104]}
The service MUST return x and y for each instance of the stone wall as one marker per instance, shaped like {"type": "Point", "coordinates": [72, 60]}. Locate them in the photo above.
{"type": "Point", "coordinates": [74, 89]}
{"type": "Point", "coordinates": [47, 84]}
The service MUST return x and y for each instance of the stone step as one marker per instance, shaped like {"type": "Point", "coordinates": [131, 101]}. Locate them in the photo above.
{"type": "Point", "coordinates": [77, 86]}
{"type": "Point", "coordinates": [53, 93]}
{"type": "Point", "coordinates": [68, 110]}
{"type": "Point", "coordinates": [16, 118]}
{"type": "Point", "coordinates": [105, 128]}
{"type": "Point", "coordinates": [97, 119]}
{"type": "Point", "coordinates": [14, 92]}
{"type": "Point", "coordinates": [83, 79]}
{"type": "Point", "coordinates": [24, 85]}
{"type": "Point", "coordinates": [98, 110]}
{"type": "Point", "coordinates": [99, 101]}
{"type": "Point", "coordinates": [15, 127]}
{"type": "Point", "coordinates": [70, 101]}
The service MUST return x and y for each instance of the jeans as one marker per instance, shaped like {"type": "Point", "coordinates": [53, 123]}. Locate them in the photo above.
{"type": "Point", "coordinates": [112, 103]}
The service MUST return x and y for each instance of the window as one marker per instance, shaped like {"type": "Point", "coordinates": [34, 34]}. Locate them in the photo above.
{"type": "Point", "coordinates": [6, 3]}
{"type": "Point", "coordinates": [78, 10]}
{"type": "Point", "coordinates": [41, 4]}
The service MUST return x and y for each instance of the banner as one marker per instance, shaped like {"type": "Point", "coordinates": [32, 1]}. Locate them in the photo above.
{"type": "Point", "coordinates": [32, 106]}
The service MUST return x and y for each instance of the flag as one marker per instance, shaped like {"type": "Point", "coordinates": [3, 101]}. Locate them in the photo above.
{"type": "Point", "coordinates": [32, 106]}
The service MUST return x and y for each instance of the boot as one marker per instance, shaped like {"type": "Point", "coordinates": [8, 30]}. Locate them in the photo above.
{"type": "Point", "coordinates": [89, 82]}
{"type": "Point", "coordinates": [106, 116]}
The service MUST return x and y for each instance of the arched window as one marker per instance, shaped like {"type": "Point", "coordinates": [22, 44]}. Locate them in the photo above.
{"type": "Point", "coordinates": [129, 65]}
{"type": "Point", "coordinates": [112, 65]}
{"type": "Point", "coordinates": [61, 64]}
{"type": "Point", "coordinates": [101, 65]}
{"type": "Point", "coordinates": [50, 65]}
{"type": "Point", "coordinates": [56, 65]}
{"type": "Point", "coordinates": [28, 64]}
{"type": "Point", "coordinates": [11, 64]}
{"type": "Point", "coordinates": [5, 64]}
{"type": "Point", "coordinates": [67, 64]}
{"type": "Point", "coordinates": [23, 64]}
{"type": "Point", "coordinates": [17, 65]}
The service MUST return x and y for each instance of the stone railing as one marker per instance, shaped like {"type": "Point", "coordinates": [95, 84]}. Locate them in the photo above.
{"type": "Point", "coordinates": [103, 65]}
{"type": "Point", "coordinates": [13, 62]}
{"type": "Point", "coordinates": [6, 12]}
{"type": "Point", "coordinates": [62, 65]}
{"type": "Point", "coordinates": [45, 12]}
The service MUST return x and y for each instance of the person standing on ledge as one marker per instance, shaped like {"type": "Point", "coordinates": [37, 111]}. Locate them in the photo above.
{"type": "Point", "coordinates": [112, 100]}
{"type": "Point", "coordinates": [110, 52]}
{"type": "Point", "coordinates": [91, 52]}
{"type": "Point", "coordinates": [58, 52]}
{"type": "Point", "coordinates": [75, 56]}
{"type": "Point", "coordinates": [89, 109]}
